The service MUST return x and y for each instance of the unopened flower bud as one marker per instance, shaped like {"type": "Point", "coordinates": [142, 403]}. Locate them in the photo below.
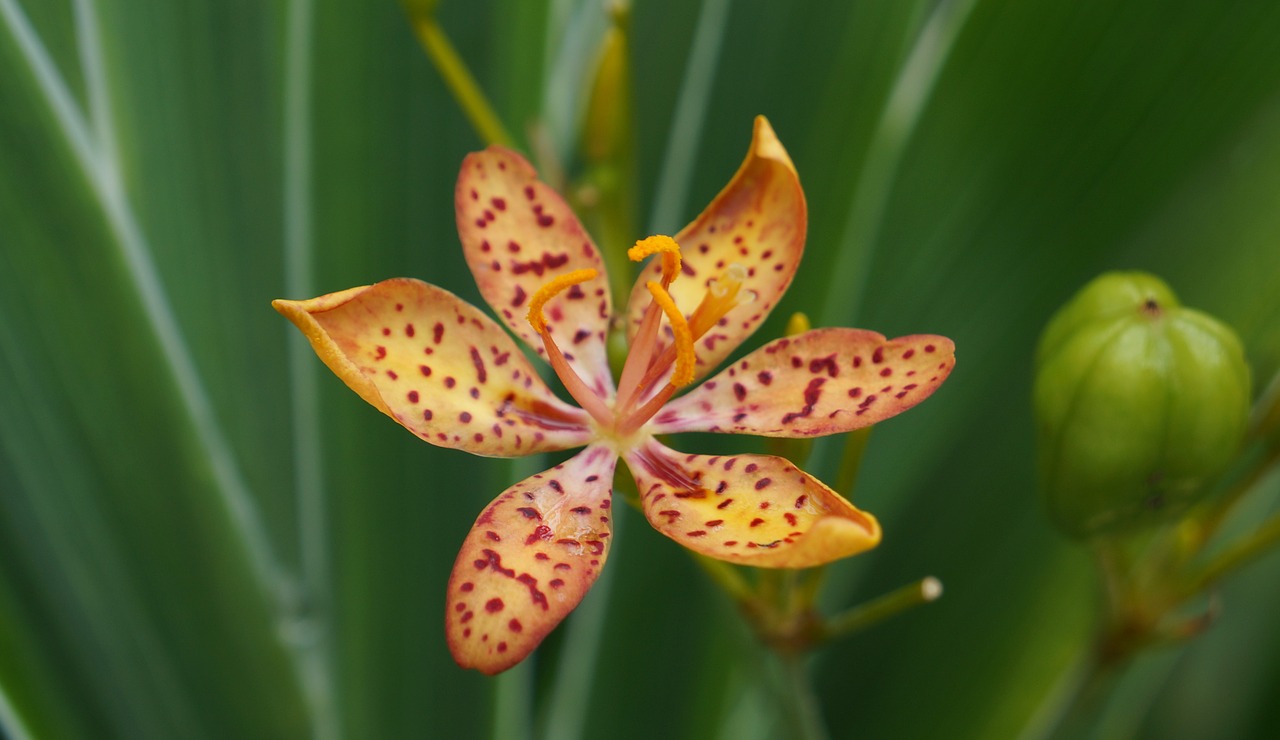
{"type": "Point", "coordinates": [1138, 402]}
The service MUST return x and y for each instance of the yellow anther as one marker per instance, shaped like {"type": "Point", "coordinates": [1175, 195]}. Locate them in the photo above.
{"type": "Point", "coordinates": [664, 245]}
{"type": "Point", "coordinates": [551, 290]}
{"type": "Point", "coordinates": [721, 298]}
{"type": "Point", "coordinates": [683, 374]}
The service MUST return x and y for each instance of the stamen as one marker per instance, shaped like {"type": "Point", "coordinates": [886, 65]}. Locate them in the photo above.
{"type": "Point", "coordinates": [585, 397]}
{"type": "Point", "coordinates": [721, 298]}
{"type": "Point", "coordinates": [551, 290]}
{"type": "Point", "coordinates": [664, 245]}
{"type": "Point", "coordinates": [638, 358]}
{"type": "Point", "coordinates": [683, 374]}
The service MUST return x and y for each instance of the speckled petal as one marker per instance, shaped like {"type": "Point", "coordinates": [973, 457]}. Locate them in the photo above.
{"type": "Point", "coordinates": [530, 558]}
{"type": "Point", "coordinates": [750, 509]}
{"type": "Point", "coordinates": [439, 366]}
{"type": "Point", "coordinates": [758, 221]}
{"type": "Point", "coordinates": [517, 234]}
{"type": "Point", "coordinates": [821, 382]}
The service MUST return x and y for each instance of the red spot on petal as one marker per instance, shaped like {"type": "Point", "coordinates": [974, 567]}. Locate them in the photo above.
{"type": "Point", "coordinates": [493, 605]}
{"type": "Point", "coordinates": [413, 396]}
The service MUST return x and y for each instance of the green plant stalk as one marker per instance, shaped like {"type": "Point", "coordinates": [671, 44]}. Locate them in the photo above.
{"type": "Point", "coordinates": [457, 77]}
{"type": "Point", "coordinates": [1209, 524]}
{"type": "Point", "coordinates": [799, 699]}
{"type": "Point", "coordinates": [855, 446]}
{"type": "Point", "coordinates": [1237, 554]}
{"type": "Point", "coordinates": [881, 608]}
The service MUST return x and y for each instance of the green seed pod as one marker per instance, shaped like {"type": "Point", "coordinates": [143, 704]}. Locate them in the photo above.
{"type": "Point", "coordinates": [1138, 402]}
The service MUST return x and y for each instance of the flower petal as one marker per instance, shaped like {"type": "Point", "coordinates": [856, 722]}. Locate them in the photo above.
{"type": "Point", "coordinates": [528, 561]}
{"type": "Point", "coordinates": [758, 221]}
{"type": "Point", "coordinates": [750, 509]}
{"type": "Point", "coordinates": [821, 382]}
{"type": "Point", "coordinates": [439, 366]}
{"type": "Point", "coordinates": [517, 234]}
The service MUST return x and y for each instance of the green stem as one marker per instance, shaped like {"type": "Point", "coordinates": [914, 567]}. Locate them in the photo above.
{"type": "Point", "coordinates": [851, 460]}
{"type": "Point", "coordinates": [1240, 552]}
{"type": "Point", "coordinates": [727, 577]}
{"type": "Point", "coordinates": [456, 76]}
{"type": "Point", "coordinates": [1226, 503]}
{"type": "Point", "coordinates": [801, 702]}
{"type": "Point", "coordinates": [877, 610]}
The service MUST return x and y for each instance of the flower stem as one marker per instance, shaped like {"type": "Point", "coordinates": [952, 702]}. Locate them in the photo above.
{"type": "Point", "coordinates": [456, 76]}
{"type": "Point", "coordinates": [1240, 552]}
{"type": "Point", "coordinates": [851, 460]}
{"type": "Point", "coordinates": [877, 610]}
{"type": "Point", "coordinates": [804, 711]}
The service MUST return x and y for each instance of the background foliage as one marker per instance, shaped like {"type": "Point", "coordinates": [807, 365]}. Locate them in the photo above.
{"type": "Point", "coordinates": [202, 536]}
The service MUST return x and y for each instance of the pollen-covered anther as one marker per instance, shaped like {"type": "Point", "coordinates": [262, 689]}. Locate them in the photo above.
{"type": "Point", "coordinates": [683, 374]}
{"type": "Point", "coordinates": [723, 295]}
{"type": "Point", "coordinates": [551, 290]}
{"type": "Point", "coordinates": [659, 244]}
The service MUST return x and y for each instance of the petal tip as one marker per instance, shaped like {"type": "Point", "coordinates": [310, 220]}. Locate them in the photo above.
{"type": "Point", "coordinates": [765, 143]}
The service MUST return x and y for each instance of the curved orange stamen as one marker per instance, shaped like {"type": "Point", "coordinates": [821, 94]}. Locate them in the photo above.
{"type": "Point", "coordinates": [683, 374]}
{"type": "Point", "coordinates": [722, 296]}
{"type": "Point", "coordinates": [659, 244]}
{"type": "Point", "coordinates": [551, 290]}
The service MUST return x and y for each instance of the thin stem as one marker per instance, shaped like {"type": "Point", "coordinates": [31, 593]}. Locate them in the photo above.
{"type": "Point", "coordinates": [1226, 503]}
{"type": "Point", "coordinates": [726, 576]}
{"type": "Point", "coordinates": [879, 609]}
{"type": "Point", "coordinates": [1240, 552]}
{"type": "Point", "coordinates": [457, 77]}
{"type": "Point", "coordinates": [855, 446]}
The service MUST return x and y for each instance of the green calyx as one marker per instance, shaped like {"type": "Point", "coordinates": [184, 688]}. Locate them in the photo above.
{"type": "Point", "coordinates": [1139, 402]}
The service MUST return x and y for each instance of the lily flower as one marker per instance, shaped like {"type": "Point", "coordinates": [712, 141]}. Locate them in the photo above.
{"type": "Point", "coordinates": [451, 375]}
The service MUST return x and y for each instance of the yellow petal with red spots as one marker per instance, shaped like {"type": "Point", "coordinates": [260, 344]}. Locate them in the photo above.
{"type": "Point", "coordinates": [750, 509]}
{"type": "Point", "coordinates": [439, 366]}
{"type": "Point", "coordinates": [821, 382]}
{"type": "Point", "coordinates": [518, 234]}
{"type": "Point", "coordinates": [530, 558]}
{"type": "Point", "coordinates": [758, 222]}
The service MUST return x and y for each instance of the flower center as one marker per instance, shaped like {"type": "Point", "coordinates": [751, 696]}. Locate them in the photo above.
{"type": "Point", "coordinates": [647, 361]}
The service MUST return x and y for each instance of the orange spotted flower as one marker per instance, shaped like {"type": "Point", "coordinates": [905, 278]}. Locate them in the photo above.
{"type": "Point", "coordinates": [447, 372]}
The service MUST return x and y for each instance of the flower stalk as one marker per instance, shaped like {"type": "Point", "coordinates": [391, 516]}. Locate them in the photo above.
{"type": "Point", "coordinates": [457, 76]}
